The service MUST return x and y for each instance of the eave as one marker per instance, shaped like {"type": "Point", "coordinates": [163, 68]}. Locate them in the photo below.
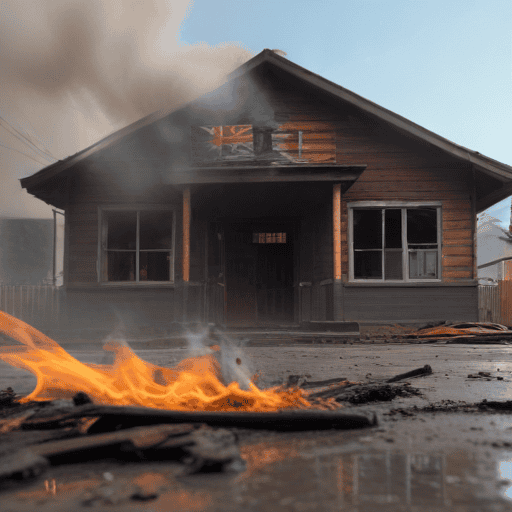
{"type": "Point", "coordinates": [479, 161]}
{"type": "Point", "coordinates": [500, 174]}
{"type": "Point", "coordinates": [264, 174]}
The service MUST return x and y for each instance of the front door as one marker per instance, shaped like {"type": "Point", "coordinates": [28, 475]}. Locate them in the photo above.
{"type": "Point", "coordinates": [259, 274]}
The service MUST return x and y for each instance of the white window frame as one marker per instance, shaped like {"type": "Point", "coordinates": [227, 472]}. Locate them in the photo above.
{"type": "Point", "coordinates": [102, 249]}
{"type": "Point", "coordinates": [404, 205]}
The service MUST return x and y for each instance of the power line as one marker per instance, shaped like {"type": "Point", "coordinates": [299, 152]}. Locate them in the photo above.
{"type": "Point", "coordinates": [23, 133]}
{"type": "Point", "coordinates": [25, 139]}
{"type": "Point", "coordinates": [24, 154]}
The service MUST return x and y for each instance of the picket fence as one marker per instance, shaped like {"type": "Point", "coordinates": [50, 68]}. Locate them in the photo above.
{"type": "Point", "coordinates": [37, 305]}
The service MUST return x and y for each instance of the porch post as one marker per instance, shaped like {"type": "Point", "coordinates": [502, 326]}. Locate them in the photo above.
{"type": "Point", "coordinates": [186, 235]}
{"type": "Point", "coordinates": [337, 288]}
{"type": "Point", "coordinates": [186, 252]}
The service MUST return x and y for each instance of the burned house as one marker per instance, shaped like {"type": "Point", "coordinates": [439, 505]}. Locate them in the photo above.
{"type": "Point", "coordinates": [279, 200]}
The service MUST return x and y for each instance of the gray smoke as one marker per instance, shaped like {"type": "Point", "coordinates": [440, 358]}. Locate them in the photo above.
{"type": "Point", "coordinates": [71, 72]}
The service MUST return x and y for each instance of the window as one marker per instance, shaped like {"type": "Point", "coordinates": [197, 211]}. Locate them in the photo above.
{"type": "Point", "coordinates": [269, 238]}
{"type": "Point", "coordinates": [137, 245]}
{"type": "Point", "coordinates": [395, 243]}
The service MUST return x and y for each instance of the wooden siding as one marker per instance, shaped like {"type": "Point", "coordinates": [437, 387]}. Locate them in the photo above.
{"type": "Point", "coordinates": [82, 242]}
{"type": "Point", "coordinates": [410, 304]}
{"type": "Point", "coordinates": [88, 192]}
{"type": "Point", "coordinates": [428, 184]}
{"type": "Point", "coordinates": [292, 142]}
{"type": "Point", "coordinates": [398, 168]}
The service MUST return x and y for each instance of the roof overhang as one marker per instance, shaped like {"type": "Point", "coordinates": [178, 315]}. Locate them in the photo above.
{"type": "Point", "coordinates": [499, 194]}
{"type": "Point", "coordinates": [479, 161]}
{"type": "Point", "coordinates": [264, 174]}
{"type": "Point", "coordinates": [498, 186]}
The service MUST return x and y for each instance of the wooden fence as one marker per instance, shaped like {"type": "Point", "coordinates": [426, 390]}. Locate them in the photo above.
{"type": "Point", "coordinates": [495, 303]}
{"type": "Point", "coordinates": [39, 305]}
{"type": "Point", "coordinates": [35, 305]}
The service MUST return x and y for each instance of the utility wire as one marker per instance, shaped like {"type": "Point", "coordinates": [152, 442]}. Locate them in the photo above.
{"type": "Point", "coordinates": [26, 135]}
{"type": "Point", "coordinates": [24, 154]}
{"type": "Point", "coordinates": [25, 139]}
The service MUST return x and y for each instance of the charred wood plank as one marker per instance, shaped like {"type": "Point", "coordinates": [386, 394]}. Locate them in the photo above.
{"type": "Point", "coordinates": [501, 406]}
{"type": "Point", "coordinates": [332, 391]}
{"type": "Point", "coordinates": [322, 383]}
{"type": "Point", "coordinates": [124, 417]}
{"type": "Point", "coordinates": [354, 393]}
{"type": "Point", "coordinates": [419, 372]}
{"type": "Point", "coordinates": [366, 393]}
{"type": "Point", "coordinates": [8, 398]}
{"type": "Point", "coordinates": [32, 461]}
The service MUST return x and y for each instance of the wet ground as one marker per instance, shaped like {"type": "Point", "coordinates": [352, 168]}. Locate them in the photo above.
{"type": "Point", "coordinates": [417, 460]}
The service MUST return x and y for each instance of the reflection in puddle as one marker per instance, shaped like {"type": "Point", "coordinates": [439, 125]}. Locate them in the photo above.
{"type": "Point", "coordinates": [383, 479]}
{"type": "Point", "coordinates": [51, 486]}
{"type": "Point", "coordinates": [297, 475]}
{"type": "Point", "coordinates": [55, 489]}
{"type": "Point", "coordinates": [505, 475]}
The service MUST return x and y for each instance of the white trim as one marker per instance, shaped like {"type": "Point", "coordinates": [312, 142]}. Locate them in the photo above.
{"type": "Point", "coordinates": [394, 204]}
{"type": "Point", "coordinates": [403, 205]}
{"type": "Point", "coordinates": [102, 244]}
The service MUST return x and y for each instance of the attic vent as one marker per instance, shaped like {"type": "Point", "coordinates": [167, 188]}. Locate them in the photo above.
{"type": "Point", "coordinates": [280, 52]}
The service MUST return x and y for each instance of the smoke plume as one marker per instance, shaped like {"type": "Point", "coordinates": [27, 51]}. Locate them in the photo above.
{"type": "Point", "coordinates": [72, 72]}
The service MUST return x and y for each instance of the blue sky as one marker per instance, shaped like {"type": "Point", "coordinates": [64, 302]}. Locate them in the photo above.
{"type": "Point", "coordinates": [445, 65]}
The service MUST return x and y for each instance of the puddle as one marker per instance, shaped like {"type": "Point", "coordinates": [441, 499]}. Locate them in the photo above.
{"type": "Point", "coordinates": [505, 476]}
{"type": "Point", "coordinates": [327, 471]}
{"type": "Point", "coordinates": [339, 479]}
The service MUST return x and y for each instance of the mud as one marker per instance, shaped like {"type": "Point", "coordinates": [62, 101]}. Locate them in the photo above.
{"type": "Point", "coordinates": [443, 448]}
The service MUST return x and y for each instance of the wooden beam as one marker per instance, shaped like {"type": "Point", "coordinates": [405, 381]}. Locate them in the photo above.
{"type": "Point", "coordinates": [263, 174]}
{"type": "Point", "coordinates": [186, 235]}
{"type": "Point", "coordinates": [336, 229]}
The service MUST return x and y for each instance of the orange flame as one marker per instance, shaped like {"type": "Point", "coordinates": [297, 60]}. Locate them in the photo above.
{"type": "Point", "coordinates": [193, 385]}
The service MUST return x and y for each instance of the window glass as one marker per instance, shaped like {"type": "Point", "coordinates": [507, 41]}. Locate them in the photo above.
{"type": "Point", "coordinates": [380, 249]}
{"type": "Point", "coordinates": [121, 266]}
{"type": "Point", "coordinates": [154, 266]}
{"type": "Point", "coordinates": [393, 229]}
{"type": "Point", "coordinates": [155, 230]}
{"type": "Point", "coordinates": [150, 232]}
{"type": "Point", "coordinates": [368, 264]}
{"type": "Point", "coordinates": [367, 229]}
{"type": "Point", "coordinates": [423, 264]}
{"type": "Point", "coordinates": [122, 230]}
{"type": "Point", "coordinates": [393, 264]}
{"type": "Point", "coordinates": [422, 226]}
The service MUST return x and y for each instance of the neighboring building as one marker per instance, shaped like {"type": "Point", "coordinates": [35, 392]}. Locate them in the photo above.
{"type": "Point", "coordinates": [494, 250]}
{"type": "Point", "coordinates": [277, 200]}
{"type": "Point", "coordinates": [26, 251]}
{"type": "Point", "coordinates": [496, 270]}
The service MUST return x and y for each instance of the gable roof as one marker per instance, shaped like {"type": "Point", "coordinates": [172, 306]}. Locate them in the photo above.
{"type": "Point", "coordinates": [499, 172]}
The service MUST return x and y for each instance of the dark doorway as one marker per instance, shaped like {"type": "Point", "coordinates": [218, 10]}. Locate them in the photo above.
{"type": "Point", "coordinates": [259, 273]}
